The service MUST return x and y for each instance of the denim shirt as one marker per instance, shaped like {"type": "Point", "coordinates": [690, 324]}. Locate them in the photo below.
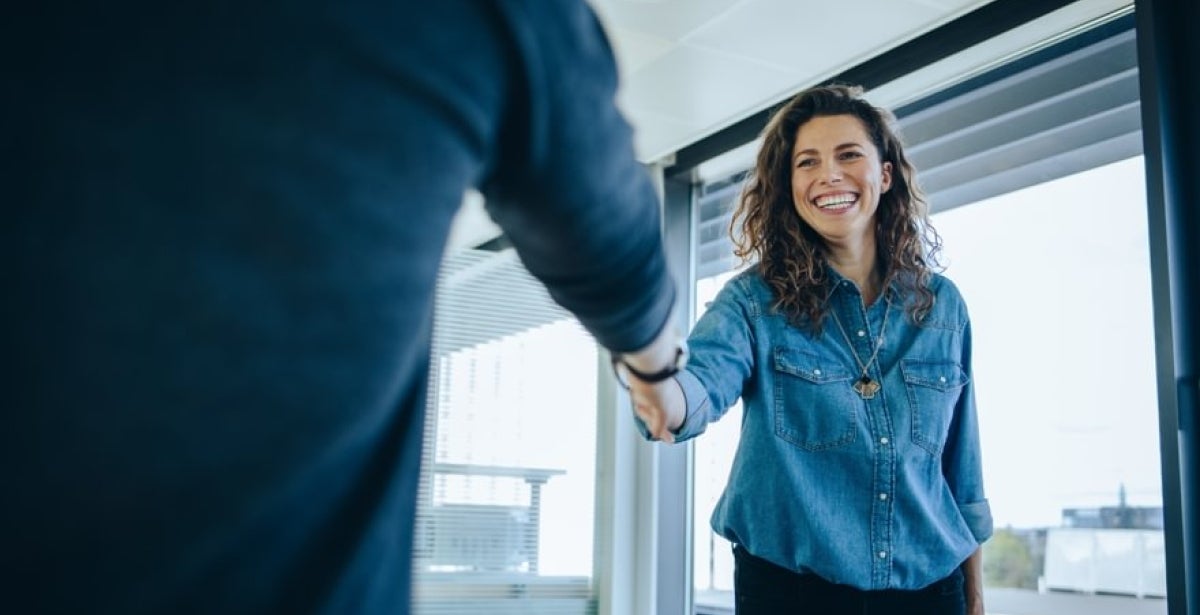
{"type": "Point", "coordinates": [880, 493]}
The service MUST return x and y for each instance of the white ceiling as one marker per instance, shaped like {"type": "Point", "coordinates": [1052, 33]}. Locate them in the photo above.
{"type": "Point", "coordinates": [692, 67]}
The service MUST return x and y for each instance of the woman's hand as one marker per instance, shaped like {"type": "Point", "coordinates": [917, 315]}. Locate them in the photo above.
{"type": "Point", "coordinates": [661, 406]}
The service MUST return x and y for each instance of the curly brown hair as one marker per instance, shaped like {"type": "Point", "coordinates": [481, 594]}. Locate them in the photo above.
{"type": "Point", "coordinates": [791, 255]}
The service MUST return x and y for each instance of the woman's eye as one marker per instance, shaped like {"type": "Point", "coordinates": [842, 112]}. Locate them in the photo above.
{"type": "Point", "coordinates": [806, 163]}
{"type": "Point", "coordinates": [851, 155]}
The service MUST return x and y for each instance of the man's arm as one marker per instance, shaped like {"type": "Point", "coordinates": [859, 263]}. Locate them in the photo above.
{"type": "Point", "coordinates": [567, 188]}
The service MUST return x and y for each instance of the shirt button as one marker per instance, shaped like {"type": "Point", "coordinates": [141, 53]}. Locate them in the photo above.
{"type": "Point", "coordinates": [883, 440]}
{"type": "Point", "coordinates": [883, 496]}
{"type": "Point", "coordinates": [882, 554]}
{"type": "Point", "coordinates": [861, 333]}
{"type": "Point", "coordinates": [816, 372]}
{"type": "Point", "coordinates": [942, 379]}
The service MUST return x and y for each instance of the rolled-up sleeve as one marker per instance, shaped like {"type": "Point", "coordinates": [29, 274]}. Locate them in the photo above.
{"type": "Point", "coordinates": [978, 516]}
{"type": "Point", "coordinates": [962, 460]}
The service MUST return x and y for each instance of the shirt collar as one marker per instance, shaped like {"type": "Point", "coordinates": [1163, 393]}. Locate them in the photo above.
{"type": "Point", "coordinates": [839, 281]}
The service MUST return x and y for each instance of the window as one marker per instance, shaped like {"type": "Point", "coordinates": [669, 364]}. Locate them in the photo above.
{"type": "Point", "coordinates": [1057, 280]}
{"type": "Point", "coordinates": [506, 506]}
{"type": "Point", "coordinates": [713, 557]}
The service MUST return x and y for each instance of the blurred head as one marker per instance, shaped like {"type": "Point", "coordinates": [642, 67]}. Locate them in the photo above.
{"type": "Point", "coordinates": [831, 167]}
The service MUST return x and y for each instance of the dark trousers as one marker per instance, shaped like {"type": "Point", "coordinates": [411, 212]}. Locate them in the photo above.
{"type": "Point", "coordinates": [762, 588]}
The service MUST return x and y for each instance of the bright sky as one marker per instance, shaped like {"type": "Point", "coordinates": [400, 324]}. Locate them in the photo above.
{"type": "Point", "coordinates": [1057, 280]}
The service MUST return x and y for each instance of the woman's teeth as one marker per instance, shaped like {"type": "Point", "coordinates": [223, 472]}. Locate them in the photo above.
{"type": "Point", "coordinates": [836, 202]}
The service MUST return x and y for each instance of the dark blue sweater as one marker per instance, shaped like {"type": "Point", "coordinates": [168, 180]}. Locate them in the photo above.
{"type": "Point", "coordinates": [223, 222]}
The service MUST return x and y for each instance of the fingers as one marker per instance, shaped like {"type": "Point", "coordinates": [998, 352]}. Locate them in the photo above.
{"type": "Point", "coordinates": [658, 428]}
{"type": "Point", "coordinates": [653, 404]}
{"type": "Point", "coordinates": [667, 437]}
{"type": "Point", "coordinates": [656, 422]}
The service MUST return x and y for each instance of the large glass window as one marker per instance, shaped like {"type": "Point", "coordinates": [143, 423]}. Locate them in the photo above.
{"type": "Point", "coordinates": [1057, 279]}
{"type": "Point", "coordinates": [507, 497]}
{"type": "Point", "coordinates": [713, 557]}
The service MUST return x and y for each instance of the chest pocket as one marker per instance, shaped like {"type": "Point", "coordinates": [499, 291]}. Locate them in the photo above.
{"type": "Point", "coordinates": [814, 404]}
{"type": "Point", "coordinates": [933, 390]}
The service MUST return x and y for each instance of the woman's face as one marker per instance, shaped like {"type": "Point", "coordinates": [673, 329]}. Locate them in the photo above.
{"type": "Point", "coordinates": [838, 178]}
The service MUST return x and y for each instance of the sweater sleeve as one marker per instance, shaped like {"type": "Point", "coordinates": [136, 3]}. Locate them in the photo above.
{"type": "Point", "coordinates": [568, 191]}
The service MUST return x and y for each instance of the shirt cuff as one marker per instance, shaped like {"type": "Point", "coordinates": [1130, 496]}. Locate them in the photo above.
{"type": "Point", "coordinates": [978, 516]}
{"type": "Point", "coordinates": [695, 421]}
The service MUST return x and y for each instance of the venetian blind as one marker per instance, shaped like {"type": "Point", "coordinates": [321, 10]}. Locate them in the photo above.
{"type": "Point", "coordinates": [1061, 110]}
{"type": "Point", "coordinates": [506, 501]}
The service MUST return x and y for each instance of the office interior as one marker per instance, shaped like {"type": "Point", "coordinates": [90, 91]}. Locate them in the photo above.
{"type": "Point", "coordinates": [1053, 140]}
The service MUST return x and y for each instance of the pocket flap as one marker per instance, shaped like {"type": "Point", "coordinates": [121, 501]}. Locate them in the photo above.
{"type": "Point", "coordinates": [809, 366]}
{"type": "Point", "coordinates": [940, 375]}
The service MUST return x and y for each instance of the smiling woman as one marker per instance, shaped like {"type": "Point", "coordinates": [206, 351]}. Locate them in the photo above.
{"type": "Point", "coordinates": [829, 145]}
{"type": "Point", "coordinates": [837, 180]}
{"type": "Point", "coordinates": [857, 478]}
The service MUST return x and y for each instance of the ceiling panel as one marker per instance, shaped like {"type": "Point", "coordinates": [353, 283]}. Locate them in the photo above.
{"type": "Point", "coordinates": [811, 37]}
{"type": "Point", "coordinates": [700, 85]}
{"type": "Point", "coordinates": [668, 19]}
{"type": "Point", "coordinates": [635, 49]}
{"type": "Point", "coordinates": [654, 128]}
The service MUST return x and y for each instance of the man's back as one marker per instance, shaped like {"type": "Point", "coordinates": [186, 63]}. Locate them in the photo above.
{"type": "Point", "coordinates": [227, 221]}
